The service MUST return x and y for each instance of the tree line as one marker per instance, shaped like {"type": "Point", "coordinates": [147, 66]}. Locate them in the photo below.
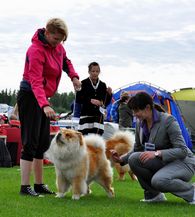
{"type": "Point", "coordinates": [59, 102]}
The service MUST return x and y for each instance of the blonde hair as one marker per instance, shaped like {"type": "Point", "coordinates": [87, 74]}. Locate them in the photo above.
{"type": "Point", "coordinates": [57, 25]}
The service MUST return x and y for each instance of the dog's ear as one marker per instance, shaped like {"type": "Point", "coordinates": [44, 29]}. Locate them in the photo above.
{"type": "Point", "coordinates": [80, 135]}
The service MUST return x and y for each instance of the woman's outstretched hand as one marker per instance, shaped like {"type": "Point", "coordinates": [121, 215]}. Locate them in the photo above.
{"type": "Point", "coordinates": [76, 84]}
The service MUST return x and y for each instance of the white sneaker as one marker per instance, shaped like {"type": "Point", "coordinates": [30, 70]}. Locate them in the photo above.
{"type": "Point", "coordinates": [192, 202]}
{"type": "Point", "coordinates": [159, 198]}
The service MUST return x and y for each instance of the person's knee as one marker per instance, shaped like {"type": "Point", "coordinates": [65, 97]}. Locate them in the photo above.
{"type": "Point", "coordinates": [133, 158]}
{"type": "Point", "coordinates": [159, 183]}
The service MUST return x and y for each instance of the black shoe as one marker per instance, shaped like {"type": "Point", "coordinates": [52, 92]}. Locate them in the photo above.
{"type": "Point", "coordinates": [42, 189]}
{"type": "Point", "coordinates": [27, 190]}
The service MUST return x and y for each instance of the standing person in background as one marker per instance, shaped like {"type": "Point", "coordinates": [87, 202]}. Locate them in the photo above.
{"type": "Point", "coordinates": [161, 160]}
{"type": "Point", "coordinates": [93, 97]}
{"type": "Point", "coordinates": [114, 113]}
{"type": "Point", "coordinates": [45, 60]}
{"type": "Point", "coordinates": [125, 113]}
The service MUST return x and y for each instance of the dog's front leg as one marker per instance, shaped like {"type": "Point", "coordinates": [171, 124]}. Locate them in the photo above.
{"type": "Point", "coordinates": [79, 188]}
{"type": "Point", "coordinates": [62, 186]}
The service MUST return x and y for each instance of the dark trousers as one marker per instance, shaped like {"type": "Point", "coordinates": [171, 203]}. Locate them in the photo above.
{"type": "Point", "coordinates": [35, 126]}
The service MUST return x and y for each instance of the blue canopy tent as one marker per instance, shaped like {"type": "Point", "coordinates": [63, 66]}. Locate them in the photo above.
{"type": "Point", "coordinates": [160, 96]}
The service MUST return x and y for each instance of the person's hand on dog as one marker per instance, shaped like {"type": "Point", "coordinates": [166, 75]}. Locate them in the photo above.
{"type": "Point", "coordinates": [115, 157]}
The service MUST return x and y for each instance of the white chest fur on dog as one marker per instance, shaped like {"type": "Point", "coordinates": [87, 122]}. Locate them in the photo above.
{"type": "Point", "coordinates": [79, 160]}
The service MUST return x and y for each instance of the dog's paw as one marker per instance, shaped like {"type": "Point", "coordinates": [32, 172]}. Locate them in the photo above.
{"type": "Point", "coordinates": [110, 193]}
{"type": "Point", "coordinates": [59, 195]}
{"type": "Point", "coordinates": [89, 191]}
{"type": "Point", "coordinates": [121, 178]}
{"type": "Point", "coordinates": [75, 197]}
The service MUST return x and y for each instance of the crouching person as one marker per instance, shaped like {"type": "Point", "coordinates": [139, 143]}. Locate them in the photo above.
{"type": "Point", "coordinates": [161, 160]}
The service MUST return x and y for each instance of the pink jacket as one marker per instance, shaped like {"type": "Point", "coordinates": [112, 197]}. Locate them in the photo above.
{"type": "Point", "coordinates": [43, 67]}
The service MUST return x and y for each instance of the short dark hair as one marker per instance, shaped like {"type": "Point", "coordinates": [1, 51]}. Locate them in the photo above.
{"type": "Point", "coordinates": [124, 98]}
{"type": "Point", "coordinates": [93, 64]}
{"type": "Point", "coordinates": [140, 101]}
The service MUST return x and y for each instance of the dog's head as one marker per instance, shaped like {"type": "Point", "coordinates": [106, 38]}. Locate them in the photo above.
{"type": "Point", "coordinates": [67, 137]}
{"type": "Point", "coordinates": [65, 145]}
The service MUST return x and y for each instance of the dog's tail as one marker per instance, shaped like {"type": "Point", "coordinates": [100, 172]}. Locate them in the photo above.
{"type": "Point", "coordinates": [95, 141]}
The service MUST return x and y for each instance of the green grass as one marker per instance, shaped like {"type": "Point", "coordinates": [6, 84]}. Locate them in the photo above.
{"type": "Point", "coordinates": [126, 202]}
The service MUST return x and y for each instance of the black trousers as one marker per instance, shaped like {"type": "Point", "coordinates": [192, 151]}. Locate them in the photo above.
{"type": "Point", "coordinates": [35, 126]}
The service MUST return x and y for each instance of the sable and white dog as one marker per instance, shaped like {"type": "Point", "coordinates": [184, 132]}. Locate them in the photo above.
{"type": "Point", "coordinates": [122, 142]}
{"type": "Point", "coordinates": [78, 161]}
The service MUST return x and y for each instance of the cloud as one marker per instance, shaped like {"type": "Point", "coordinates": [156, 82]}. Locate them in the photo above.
{"type": "Point", "coordinates": [167, 76]}
{"type": "Point", "coordinates": [132, 40]}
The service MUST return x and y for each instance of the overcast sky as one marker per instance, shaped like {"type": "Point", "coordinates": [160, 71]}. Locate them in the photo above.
{"type": "Point", "coordinates": [142, 40]}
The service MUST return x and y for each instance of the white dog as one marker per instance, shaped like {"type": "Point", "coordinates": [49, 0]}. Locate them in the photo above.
{"type": "Point", "coordinates": [78, 161]}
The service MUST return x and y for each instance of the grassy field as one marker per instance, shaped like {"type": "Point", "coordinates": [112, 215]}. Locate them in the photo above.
{"type": "Point", "coordinates": [126, 202]}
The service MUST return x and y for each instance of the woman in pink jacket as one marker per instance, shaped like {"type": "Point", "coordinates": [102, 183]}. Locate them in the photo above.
{"type": "Point", "coordinates": [45, 60]}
